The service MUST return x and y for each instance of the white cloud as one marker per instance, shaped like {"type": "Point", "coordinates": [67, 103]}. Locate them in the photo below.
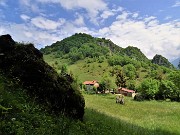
{"type": "Point", "coordinates": [44, 23]}
{"type": "Point", "coordinates": [177, 4]}
{"type": "Point", "coordinates": [167, 17]}
{"type": "Point", "coordinates": [79, 20]}
{"type": "Point", "coordinates": [135, 15]}
{"type": "Point", "coordinates": [106, 14]}
{"type": "Point", "coordinates": [148, 19]}
{"type": "Point", "coordinates": [3, 2]}
{"type": "Point", "coordinates": [28, 33]}
{"type": "Point", "coordinates": [119, 9]}
{"type": "Point", "coordinates": [30, 5]}
{"type": "Point", "coordinates": [152, 38]}
{"type": "Point", "coordinates": [92, 7]}
{"type": "Point", "coordinates": [123, 16]}
{"type": "Point", "coordinates": [42, 32]}
{"type": "Point", "coordinates": [24, 17]}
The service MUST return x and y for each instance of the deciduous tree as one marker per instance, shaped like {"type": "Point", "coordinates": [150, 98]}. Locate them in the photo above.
{"type": "Point", "coordinates": [120, 79]}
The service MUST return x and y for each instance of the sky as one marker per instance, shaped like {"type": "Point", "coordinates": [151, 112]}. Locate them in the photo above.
{"type": "Point", "coordinates": [151, 25]}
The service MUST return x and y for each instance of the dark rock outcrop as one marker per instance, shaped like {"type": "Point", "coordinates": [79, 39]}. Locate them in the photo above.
{"type": "Point", "coordinates": [6, 42]}
{"type": "Point", "coordinates": [24, 64]}
{"type": "Point", "coordinates": [162, 61]}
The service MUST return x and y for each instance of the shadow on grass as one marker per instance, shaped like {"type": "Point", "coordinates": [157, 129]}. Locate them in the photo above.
{"type": "Point", "coordinates": [96, 123]}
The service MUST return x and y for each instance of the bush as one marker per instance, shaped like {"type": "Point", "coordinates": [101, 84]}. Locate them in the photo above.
{"type": "Point", "coordinates": [139, 97]}
{"type": "Point", "coordinates": [149, 88]}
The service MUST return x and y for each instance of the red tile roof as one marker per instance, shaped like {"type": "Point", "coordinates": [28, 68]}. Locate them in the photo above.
{"type": "Point", "coordinates": [90, 82]}
{"type": "Point", "coordinates": [126, 90]}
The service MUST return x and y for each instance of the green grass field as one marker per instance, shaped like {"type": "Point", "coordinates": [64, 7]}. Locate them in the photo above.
{"type": "Point", "coordinates": [148, 117]}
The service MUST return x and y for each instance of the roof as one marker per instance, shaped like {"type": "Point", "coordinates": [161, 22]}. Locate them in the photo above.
{"type": "Point", "coordinates": [90, 82]}
{"type": "Point", "coordinates": [126, 90]}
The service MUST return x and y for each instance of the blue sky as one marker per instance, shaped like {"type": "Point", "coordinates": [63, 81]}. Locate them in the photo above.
{"type": "Point", "coordinates": [151, 25]}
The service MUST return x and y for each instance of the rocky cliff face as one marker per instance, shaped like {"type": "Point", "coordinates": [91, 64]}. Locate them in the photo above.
{"type": "Point", "coordinates": [24, 64]}
{"type": "Point", "coordinates": [162, 61]}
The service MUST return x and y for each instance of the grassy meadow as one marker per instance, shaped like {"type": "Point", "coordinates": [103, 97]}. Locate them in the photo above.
{"type": "Point", "coordinates": [148, 117]}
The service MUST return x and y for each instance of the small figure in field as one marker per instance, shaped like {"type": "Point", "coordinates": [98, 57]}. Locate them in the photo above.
{"type": "Point", "coordinates": [120, 99]}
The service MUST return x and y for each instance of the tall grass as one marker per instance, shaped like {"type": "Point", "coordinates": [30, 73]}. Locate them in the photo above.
{"type": "Point", "coordinates": [154, 117]}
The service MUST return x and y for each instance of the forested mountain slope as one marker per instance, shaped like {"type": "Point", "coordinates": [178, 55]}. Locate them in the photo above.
{"type": "Point", "coordinates": [80, 46]}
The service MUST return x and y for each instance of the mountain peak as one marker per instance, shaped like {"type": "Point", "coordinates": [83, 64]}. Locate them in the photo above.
{"type": "Point", "coordinates": [162, 61]}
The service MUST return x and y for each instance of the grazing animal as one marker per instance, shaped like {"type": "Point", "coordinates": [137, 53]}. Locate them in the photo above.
{"type": "Point", "coordinates": [120, 99]}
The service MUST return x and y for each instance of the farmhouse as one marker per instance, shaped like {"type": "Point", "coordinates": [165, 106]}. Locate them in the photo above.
{"type": "Point", "coordinates": [126, 92]}
{"type": "Point", "coordinates": [90, 84]}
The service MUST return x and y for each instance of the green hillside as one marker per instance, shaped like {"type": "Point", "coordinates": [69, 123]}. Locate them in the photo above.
{"type": "Point", "coordinates": [92, 58]}
{"type": "Point", "coordinates": [80, 46]}
{"type": "Point", "coordinates": [89, 58]}
{"type": "Point", "coordinates": [95, 58]}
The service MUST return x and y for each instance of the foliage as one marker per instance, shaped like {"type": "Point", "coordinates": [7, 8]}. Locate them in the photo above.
{"type": "Point", "coordinates": [131, 84]}
{"type": "Point", "coordinates": [175, 78]}
{"type": "Point", "coordinates": [130, 71]}
{"type": "Point", "coordinates": [135, 53]}
{"type": "Point", "coordinates": [166, 90]}
{"type": "Point", "coordinates": [139, 97]}
{"type": "Point", "coordinates": [105, 84]}
{"type": "Point", "coordinates": [148, 88]}
{"type": "Point", "coordinates": [21, 115]}
{"type": "Point", "coordinates": [119, 60]}
{"type": "Point", "coordinates": [64, 69]}
{"type": "Point", "coordinates": [120, 79]}
{"type": "Point", "coordinates": [77, 47]}
{"type": "Point", "coordinates": [81, 45]}
{"type": "Point", "coordinates": [24, 64]}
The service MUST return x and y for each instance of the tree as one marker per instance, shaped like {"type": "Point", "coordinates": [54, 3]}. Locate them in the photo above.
{"type": "Point", "coordinates": [131, 84]}
{"type": "Point", "coordinates": [120, 79]}
{"type": "Point", "coordinates": [175, 78]}
{"type": "Point", "coordinates": [64, 69]}
{"type": "Point", "coordinates": [105, 84]}
{"type": "Point", "coordinates": [130, 71]}
{"type": "Point", "coordinates": [179, 64]}
{"type": "Point", "coordinates": [166, 90]}
{"type": "Point", "coordinates": [149, 88]}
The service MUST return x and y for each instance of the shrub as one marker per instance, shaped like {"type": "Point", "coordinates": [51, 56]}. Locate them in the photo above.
{"type": "Point", "coordinates": [149, 88]}
{"type": "Point", "coordinates": [139, 97]}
